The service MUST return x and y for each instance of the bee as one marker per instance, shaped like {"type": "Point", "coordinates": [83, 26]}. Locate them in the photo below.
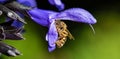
{"type": "Point", "coordinates": [63, 33]}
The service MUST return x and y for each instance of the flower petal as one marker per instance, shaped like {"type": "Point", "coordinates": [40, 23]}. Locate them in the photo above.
{"type": "Point", "coordinates": [50, 49]}
{"type": "Point", "coordinates": [31, 3]}
{"type": "Point", "coordinates": [57, 3]}
{"type": "Point", "coordinates": [76, 14]}
{"type": "Point", "coordinates": [52, 36]}
{"type": "Point", "coordinates": [40, 16]}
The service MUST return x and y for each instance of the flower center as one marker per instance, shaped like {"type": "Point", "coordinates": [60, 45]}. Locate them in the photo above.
{"type": "Point", "coordinates": [63, 33]}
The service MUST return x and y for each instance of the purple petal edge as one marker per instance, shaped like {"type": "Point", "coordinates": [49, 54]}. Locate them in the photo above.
{"type": "Point", "coordinates": [51, 37]}
{"type": "Point", "coordinates": [57, 3]}
{"type": "Point", "coordinates": [77, 15]}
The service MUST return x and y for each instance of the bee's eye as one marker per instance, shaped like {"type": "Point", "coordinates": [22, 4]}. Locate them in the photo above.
{"type": "Point", "coordinates": [11, 15]}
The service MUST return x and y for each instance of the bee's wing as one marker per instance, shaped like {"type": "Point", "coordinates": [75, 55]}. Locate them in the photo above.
{"type": "Point", "coordinates": [70, 35]}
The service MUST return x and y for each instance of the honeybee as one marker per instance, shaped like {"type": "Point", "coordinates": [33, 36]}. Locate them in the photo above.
{"type": "Point", "coordinates": [63, 33]}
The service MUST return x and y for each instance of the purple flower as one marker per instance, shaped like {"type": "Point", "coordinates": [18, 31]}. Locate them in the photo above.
{"type": "Point", "coordinates": [47, 18]}
{"type": "Point", "coordinates": [57, 3]}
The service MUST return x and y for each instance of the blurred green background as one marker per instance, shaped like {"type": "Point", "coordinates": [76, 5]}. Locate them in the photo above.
{"type": "Point", "coordinates": [105, 44]}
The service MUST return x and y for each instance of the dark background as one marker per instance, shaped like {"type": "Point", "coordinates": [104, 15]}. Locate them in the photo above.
{"type": "Point", "coordinates": [87, 4]}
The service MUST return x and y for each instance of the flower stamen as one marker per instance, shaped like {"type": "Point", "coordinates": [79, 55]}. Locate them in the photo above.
{"type": "Point", "coordinates": [92, 28]}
